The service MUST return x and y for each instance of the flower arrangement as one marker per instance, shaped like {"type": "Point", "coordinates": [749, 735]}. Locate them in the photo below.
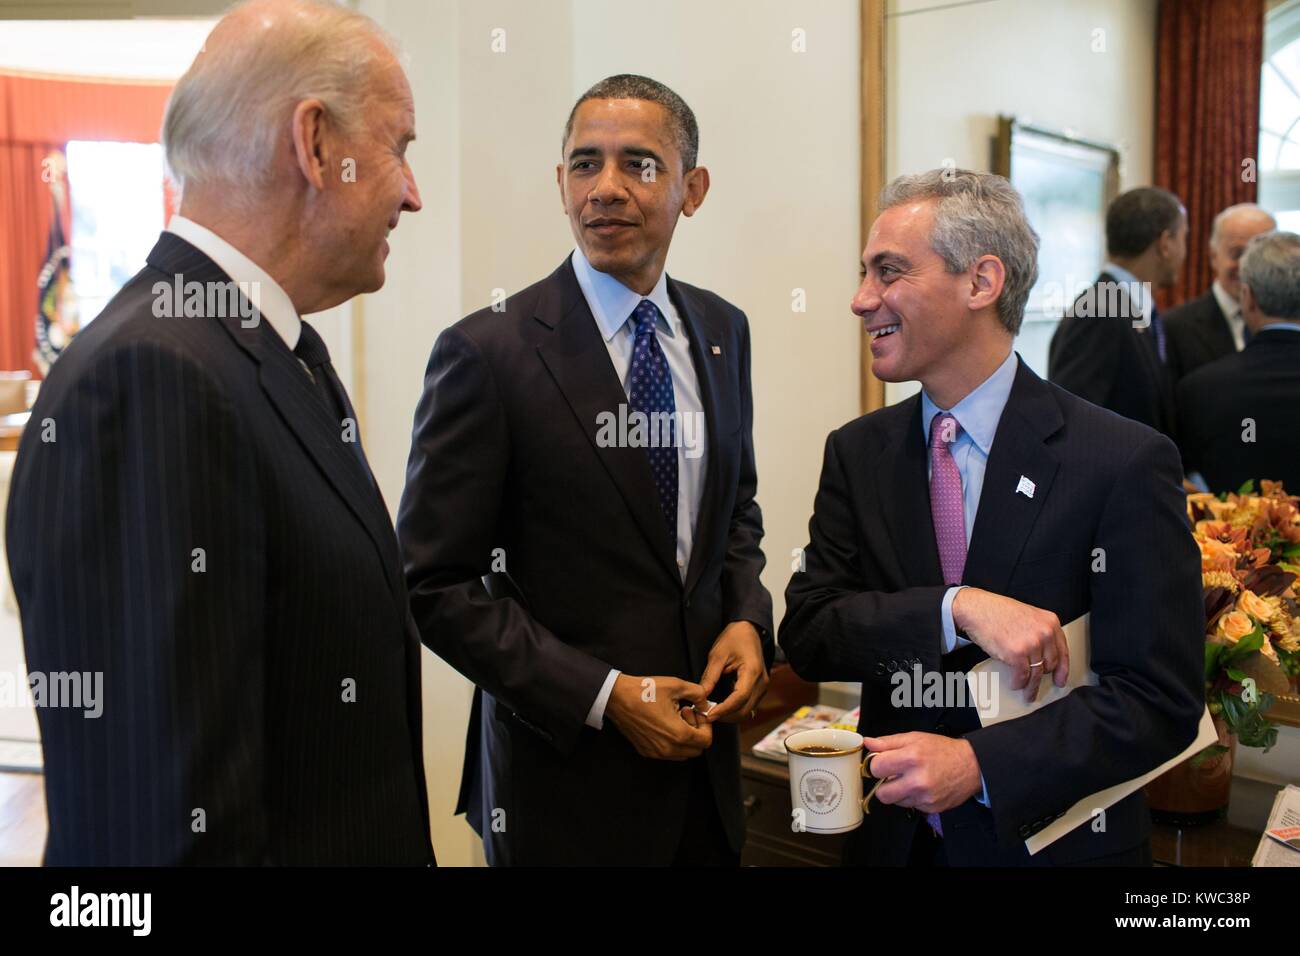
{"type": "Point", "coordinates": [1250, 560]}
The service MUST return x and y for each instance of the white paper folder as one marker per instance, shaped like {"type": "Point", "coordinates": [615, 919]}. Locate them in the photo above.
{"type": "Point", "coordinates": [1008, 704]}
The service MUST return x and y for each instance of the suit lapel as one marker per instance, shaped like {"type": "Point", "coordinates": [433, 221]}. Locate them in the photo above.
{"type": "Point", "coordinates": [905, 493]}
{"type": "Point", "coordinates": [287, 386]}
{"type": "Point", "coordinates": [1006, 515]}
{"type": "Point", "coordinates": [294, 397]}
{"type": "Point", "coordinates": [708, 371]}
{"type": "Point", "coordinates": [576, 356]}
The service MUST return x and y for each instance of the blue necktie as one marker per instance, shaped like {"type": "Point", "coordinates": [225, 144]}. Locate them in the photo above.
{"type": "Point", "coordinates": [1158, 327]}
{"type": "Point", "coordinates": [650, 391]}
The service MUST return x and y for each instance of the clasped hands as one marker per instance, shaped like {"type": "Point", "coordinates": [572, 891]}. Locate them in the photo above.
{"type": "Point", "coordinates": [933, 773]}
{"type": "Point", "coordinates": [666, 718]}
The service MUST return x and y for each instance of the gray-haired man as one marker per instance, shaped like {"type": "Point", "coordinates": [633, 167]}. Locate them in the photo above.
{"type": "Point", "coordinates": [966, 523]}
{"type": "Point", "coordinates": [1239, 410]}
{"type": "Point", "coordinates": [192, 516]}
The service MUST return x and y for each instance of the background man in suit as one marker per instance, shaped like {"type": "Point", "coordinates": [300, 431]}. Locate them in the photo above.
{"type": "Point", "coordinates": [1240, 410]}
{"type": "Point", "coordinates": [1110, 347]}
{"type": "Point", "coordinates": [969, 521]}
{"type": "Point", "coordinates": [1211, 326]}
{"type": "Point", "coordinates": [191, 513]}
{"type": "Point", "coordinates": [588, 584]}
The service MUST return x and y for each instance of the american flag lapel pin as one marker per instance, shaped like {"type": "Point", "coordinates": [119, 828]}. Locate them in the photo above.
{"type": "Point", "coordinates": [1025, 487]}
{"type": "Point", "coordinates": [715, 349]}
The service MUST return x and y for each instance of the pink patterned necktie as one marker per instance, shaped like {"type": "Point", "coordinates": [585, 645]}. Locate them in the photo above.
{"type": "Point", "coordinates": [948, 513]}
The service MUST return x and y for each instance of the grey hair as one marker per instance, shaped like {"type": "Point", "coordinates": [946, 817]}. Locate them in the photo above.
{"type": "Point", "coordinates": [227, 113]}
{"type": "Point", "coordinates": [1270, 268]}
{"type": "Point", "coordinates": [976, 214]}
{"type": "Point", "coordinates": [1222, 217]}
{"type": "Point", "coordinates": [631, 86]}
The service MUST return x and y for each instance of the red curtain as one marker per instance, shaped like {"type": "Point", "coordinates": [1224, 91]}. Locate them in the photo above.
{"type": "Point", "coordinates": [38, 115]}
{"type": "Point", "coordinates": [1208, 62]}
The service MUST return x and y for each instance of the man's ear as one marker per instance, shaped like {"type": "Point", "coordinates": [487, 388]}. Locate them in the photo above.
{"type": "Point", "coordinates": [309, 142]}
{"type": "Point", "coordinates": [559, 181]}
{"type": "Point", "coordinates": [696, 187]}
{"type": "Point", "coordinates": [988, 277]}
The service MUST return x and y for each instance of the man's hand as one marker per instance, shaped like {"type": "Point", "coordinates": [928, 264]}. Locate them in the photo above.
{"type": "Point", "coordinates": [928, 772]}
{"type": "Point", "coordinates": [1026, 637]}
{"type": "Point", "coordinates": [738, 650]}
{"type": "Point", "coordinates": [646, 711]}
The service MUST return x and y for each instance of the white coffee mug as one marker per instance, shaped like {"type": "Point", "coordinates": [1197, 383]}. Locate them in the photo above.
{"type": "Point", "coordinates": [826, 787]}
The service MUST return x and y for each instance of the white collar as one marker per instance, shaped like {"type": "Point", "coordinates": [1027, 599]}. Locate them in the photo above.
{"type": "Point", "coordinates": [265, 293]}
{"type": "Point", "coordinates": [1229, 306]}
{"type": "Point", "coordinates": [612, 303]}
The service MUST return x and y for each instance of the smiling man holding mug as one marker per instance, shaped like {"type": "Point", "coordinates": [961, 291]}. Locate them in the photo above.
{"type": "Point", "coordinates": [969, 522]}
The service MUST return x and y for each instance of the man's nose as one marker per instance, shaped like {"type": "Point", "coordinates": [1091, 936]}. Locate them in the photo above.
{"type": "Point", "coordinates": [608, 187]}
{"type": "Point", "coordinates": [867, 300]}
{"type": "Point", "coordinates": [412, 202]}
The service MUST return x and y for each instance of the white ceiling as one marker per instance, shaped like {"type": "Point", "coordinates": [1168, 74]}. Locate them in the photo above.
{"type": "Point", "coordinates": [122, 49]}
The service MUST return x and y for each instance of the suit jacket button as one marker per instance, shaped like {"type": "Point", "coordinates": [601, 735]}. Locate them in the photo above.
{"type": "Point", "coordinates": [880, 669]}
{"type": "Point", "coordinates": [893, 667]}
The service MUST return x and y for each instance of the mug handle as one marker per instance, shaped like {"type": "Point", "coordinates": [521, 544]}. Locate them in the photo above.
{"type": "Point", "coordinates": [866, 773]}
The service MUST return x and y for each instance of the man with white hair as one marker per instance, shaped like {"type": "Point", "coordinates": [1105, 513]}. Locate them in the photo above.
{"type": "Point", "coordinates": [969, 522]}
{"type": "Point", "coordinates": [193, 522]}
{"type": "Point", "coordinates": [1212, 325]}
{"type": "Point", "coordinates": [1240, 409]}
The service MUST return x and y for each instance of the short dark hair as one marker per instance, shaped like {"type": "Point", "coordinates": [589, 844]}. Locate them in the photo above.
{"type": "Point", "coordinates": [1138, 217]}
{"type": "Point", "coordinates": [630, 86]}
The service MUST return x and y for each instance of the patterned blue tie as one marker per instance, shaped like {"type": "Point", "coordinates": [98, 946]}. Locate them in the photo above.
{"type": "Point", "coordinates": [650, 391]}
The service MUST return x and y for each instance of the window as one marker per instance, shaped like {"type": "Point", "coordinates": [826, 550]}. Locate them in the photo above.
{"type": "Point", "coordinates": [1279, 117]}
{"type": "Point", "coordinates": [117, 213]}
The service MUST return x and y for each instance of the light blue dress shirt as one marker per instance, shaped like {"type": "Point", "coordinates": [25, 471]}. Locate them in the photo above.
{"type": "Point", "coordinates": [978, 415]}
{"type": "Point", "coordinates": [612, 304]}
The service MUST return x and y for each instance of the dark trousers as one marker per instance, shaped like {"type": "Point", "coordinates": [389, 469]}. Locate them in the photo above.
{"type": "Point", "coordinates": [704, 840]}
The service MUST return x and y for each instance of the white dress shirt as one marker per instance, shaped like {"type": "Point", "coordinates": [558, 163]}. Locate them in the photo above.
{"type": "Point", "coordinates": [271, 301]}
{"type": "Point", "coordinates": [1231, 310]}
{"type": "Point", "coordinates": [612, 305]}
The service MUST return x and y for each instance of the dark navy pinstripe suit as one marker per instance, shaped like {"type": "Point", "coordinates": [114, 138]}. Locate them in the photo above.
{"type": "Point", "coordinates": [224, 688]}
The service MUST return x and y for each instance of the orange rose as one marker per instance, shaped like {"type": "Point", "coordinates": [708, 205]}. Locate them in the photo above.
{"type": "Point", "coordinates": [1255, 606]}
{"type": "Point", "coordinates": [1235, 625]}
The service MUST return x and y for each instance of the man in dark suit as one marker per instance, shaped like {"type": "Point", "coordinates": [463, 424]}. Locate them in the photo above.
{"type": "Point", "coordinates": [972, 520]}
{"type": "Point", "coordinates": [1239, 412]}
{"type": "Point", "coordinates": [579, 523]}
{"type": "Point", "coordinates": [1212, 326]}
{"type": "Point", "coordinates": [193, 523]}
{"type": "Point", "coordinates": [1110, 347]}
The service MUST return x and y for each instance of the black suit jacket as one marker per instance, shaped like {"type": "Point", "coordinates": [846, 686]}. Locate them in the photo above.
{"type": "Point", "coordinates": [1097, 354]}
{"type": "Point", "coordinates": [505, 456]}
{"type": "Point", "coordinates": [869, 605]}
{"type": "Point", "coordinates": [1260, 383]}
{"type": "Point", "coordinates": [225, 670]}
{"type": "Point", "coordinates": [1197, 333]}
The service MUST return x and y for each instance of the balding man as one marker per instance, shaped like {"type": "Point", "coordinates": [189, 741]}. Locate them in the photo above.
{"type": "Point", "coordinates": [193, 526]}
{"type": "Point", "coordinates": [1239, 410]}
{"type": "Point", "coordinates": [1212, 325]}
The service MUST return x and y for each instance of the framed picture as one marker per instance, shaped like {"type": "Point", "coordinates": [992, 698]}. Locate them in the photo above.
{"type": "Point", "coordinates": [1067, 183]}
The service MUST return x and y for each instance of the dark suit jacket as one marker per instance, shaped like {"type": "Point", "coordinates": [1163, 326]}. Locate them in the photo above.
{"type": "Point", "coordinates": [869, 605]}
{"type": "Point", "coordinates": [1197, 333]}
{"type": "Point", "coordinates": [1097, 354]}
{"type": "Point", "coordinates": [505, 456]}
{"type": "Point", "coordinates": [1262, 383]}
{"type": "Point", "coordinates": [223, 670]}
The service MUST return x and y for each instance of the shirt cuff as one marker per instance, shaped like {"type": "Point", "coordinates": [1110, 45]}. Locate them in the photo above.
{"type": "Point", "coordinates": [596, 716]}
{"type": "Point", "coordinates": [951, 641]}
{"type": "Point", "coordinates": [983, 797]}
